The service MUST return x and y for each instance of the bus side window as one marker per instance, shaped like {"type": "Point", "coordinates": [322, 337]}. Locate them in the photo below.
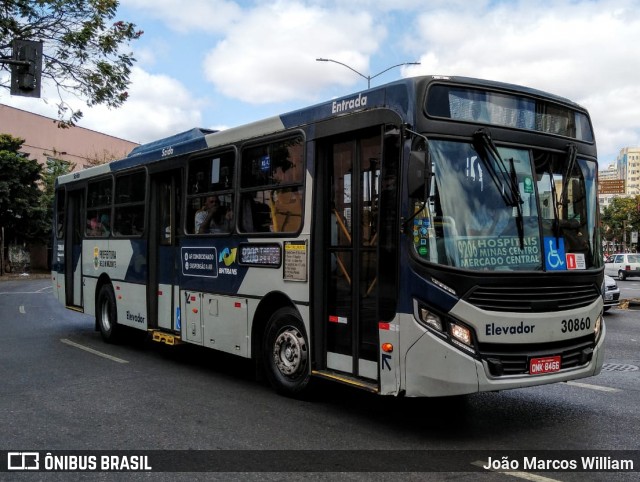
{"type": "Point", "coordinates": [210, 198]}
{"type": "Point", "coordinates": [272, 178]}
{"type": "Point", "coordinates": [256, 216]}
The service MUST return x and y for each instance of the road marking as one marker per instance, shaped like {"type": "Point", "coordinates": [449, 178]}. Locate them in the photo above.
{"type": "Point", "coordinates": [520, 475]}
{"type": "Point", "coordinates": [593, 387]}
{"type": "Point", "coordinates": [37, 292]}
{"type": "Point", "coordinates": [22, 310]}
{"type": "Point", "coordinates": [91, 350]}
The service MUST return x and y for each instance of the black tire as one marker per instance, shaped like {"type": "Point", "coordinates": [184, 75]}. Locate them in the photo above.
{"type": "Point", "coordinates": [622, 275]}
{"type": "Point", "coordinates": [107, 314]}
{"type": "Point", "coordinates": [286, 352]}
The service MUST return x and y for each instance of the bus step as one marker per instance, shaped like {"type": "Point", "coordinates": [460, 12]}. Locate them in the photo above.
{"type": "Point", "coordinates": [166, 338]}
{"type": "Point", "coordinates": [347, 380]}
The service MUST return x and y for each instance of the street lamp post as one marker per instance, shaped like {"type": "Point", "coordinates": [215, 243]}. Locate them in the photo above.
{"type": "Point", "coordinates": [368, 77]}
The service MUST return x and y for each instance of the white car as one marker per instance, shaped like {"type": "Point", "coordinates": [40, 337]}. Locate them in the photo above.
{"type": "Point", "coordinates": [610, 292]}
{"type": "Point", "coordinates": [623, 265]}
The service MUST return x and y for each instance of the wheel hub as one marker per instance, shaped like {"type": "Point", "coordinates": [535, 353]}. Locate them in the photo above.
{"type": "Point", "coordinates": [290, 352]}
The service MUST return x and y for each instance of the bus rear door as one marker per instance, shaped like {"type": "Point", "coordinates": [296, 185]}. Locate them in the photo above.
{"type": "Point", "coordinates": [164, 228]}
{"type": "Point", "coordinates": [73, 247]}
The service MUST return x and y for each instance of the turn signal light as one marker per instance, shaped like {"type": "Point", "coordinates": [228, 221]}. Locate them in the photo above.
{"type": "Point", "coordinates": [387, 347]}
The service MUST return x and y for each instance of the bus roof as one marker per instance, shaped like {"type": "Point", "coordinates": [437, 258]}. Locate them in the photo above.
{"type": "Point", "coordinates": [394, 95]}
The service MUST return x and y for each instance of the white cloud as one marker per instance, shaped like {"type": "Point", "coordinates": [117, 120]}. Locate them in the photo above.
{"type": "Point", "coordinates": [269, 55]}
{"type": "Point", "coordinates": [264, 51]}
{"type": "Point", "coordinates": [585, 51]}
{"type": "Point", "coordinates": [157, 106]}
{"type": "Point", "coordinates": [188, 15]}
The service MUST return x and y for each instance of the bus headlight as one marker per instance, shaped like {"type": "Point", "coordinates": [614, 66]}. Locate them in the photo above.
{"type": "Point", "coordinates": [430, 319]}
{"type": "Point", "coordinates": [449, 329]}
{"type": "Point", "coordinates": [461, 333]}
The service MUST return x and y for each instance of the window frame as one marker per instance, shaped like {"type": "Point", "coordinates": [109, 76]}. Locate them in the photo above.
{"type": "Point", "coordinates": [251, 189]}
{"type": "Point", "coordinates": [190, 195]}
{"type": "Point", "coordinates": [129, 204]}
{"type": "Point", "coordinates": [98, 208]}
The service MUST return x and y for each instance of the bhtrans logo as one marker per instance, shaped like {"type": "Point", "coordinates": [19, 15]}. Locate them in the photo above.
{"type": "Point", "coordinates": [348, 104]}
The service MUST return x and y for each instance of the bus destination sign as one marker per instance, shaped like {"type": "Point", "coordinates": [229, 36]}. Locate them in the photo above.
{"type": "Point", "coordinates": [260, 254]}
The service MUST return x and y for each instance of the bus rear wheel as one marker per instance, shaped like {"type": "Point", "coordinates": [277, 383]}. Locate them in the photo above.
{"type": "Point", "coordinates": [107, 314]}
{"type": "Point", "coordinates": [286, 352]}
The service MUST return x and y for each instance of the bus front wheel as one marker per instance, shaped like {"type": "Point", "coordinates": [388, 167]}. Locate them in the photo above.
{"type": "Point", "coordinates": [107, 314]}
{"type": "Point", "coordinates": [286, 352]}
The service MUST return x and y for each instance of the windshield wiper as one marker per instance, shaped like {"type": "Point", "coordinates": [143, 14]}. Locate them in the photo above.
{"type": "Point", "coordinates": [505, 181]}
{"type": "Point", "coordinates": [556, 212]}
{"type": "Point", "coordinates": [486, 149]}
{"type": "Point", "coordinates": [572, 154]}
{"type": "Point", "coordinates": [519, 217]}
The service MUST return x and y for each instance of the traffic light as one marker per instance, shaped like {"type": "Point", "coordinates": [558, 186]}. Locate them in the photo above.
{"type": "Point", "coordinates": [26, 68]}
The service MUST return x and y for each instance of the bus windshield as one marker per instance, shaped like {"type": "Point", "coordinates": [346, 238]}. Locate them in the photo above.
{"type": "Point", "coordinates": [539, 215]}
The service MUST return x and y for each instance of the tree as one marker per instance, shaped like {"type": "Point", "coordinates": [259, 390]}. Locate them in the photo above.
{"type": "Point", "coordinates": [22, 213]}
{"type": "Point", "coordinates": [619, 217]}
{"type": "Point", "coordinates": [52, 169]}
{"type": "Point", "coordinates": [83, 50]}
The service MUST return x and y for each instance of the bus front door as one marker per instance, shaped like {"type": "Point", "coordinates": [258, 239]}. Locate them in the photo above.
{"type": "Point", "coordinates": [164, 229]}
{"type": "Point", "coordinates": [351, 264]}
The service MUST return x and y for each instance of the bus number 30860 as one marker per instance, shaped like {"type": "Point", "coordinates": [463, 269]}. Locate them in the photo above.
{"type": "Point", "coordinates": [576, 324]}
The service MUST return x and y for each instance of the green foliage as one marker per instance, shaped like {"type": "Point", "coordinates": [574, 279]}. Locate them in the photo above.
{"type": "Point", "coordinates": [53, 169]}
{"type": "Point", "coordinates": [22, 212]}
{"type": "Point", "coordinates": [621, 214]}
{"type": "Point", "coordinates": [83, 47]}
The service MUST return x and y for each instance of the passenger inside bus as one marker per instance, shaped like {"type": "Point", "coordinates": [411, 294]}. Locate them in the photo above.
{"type": "Point", "coordinates": [98, 225]}
{"type": "Point", "coordinates": [212, 217]}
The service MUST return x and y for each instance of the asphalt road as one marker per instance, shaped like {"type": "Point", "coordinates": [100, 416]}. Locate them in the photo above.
{"type": "Point", "coordinates": [64, 389]}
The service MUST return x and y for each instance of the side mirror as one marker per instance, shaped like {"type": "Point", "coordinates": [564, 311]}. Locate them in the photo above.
{"type": "Point", "coordinates": [419, 174]}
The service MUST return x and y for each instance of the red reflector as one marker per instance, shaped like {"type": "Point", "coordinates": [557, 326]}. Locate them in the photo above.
{"type": "Point", "coordinates": [159, 293]}
{"type": "Point", "coordinates": [117, 288]}
{"type": "Point", "coordinates": [333, 319]}
{"type": "Point", "coordinates": [193, 298]}
{"type": "Point", "coordinates": [383, 326]}
{"type": "Point", "coordinates": [238, 304]}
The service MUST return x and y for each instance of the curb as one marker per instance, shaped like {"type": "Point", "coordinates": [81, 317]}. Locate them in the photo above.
{"type": "Point", "coordinates": [24, 276]}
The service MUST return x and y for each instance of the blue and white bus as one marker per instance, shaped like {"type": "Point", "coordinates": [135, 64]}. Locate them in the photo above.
{"type": "Point", "coordinates": [429, 237]}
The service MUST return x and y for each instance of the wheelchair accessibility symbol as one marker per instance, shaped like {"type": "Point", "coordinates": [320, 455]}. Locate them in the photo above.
{"type": "Point", "coordinates": [555, 257]}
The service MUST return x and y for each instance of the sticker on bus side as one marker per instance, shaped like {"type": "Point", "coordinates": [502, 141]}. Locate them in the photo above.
{"type": "Point", "coordinates": [201, 262]}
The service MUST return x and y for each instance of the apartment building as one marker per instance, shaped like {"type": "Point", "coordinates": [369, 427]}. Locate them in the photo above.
{"type": "Point", "coordinates": [628, 164]}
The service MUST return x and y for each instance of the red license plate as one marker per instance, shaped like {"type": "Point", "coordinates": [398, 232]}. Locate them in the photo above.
{"type": "Point", "coordinates": [547, 364]}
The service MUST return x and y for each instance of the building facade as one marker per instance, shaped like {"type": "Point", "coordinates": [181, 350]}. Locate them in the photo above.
{"type": "Point", "coordinates": [628, 163]}
{"type": "Point", "coordinates": [43, 140]}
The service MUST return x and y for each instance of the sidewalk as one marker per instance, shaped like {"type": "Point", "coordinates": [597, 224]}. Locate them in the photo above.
{"type": "Point", "coordinates": [35, 274]}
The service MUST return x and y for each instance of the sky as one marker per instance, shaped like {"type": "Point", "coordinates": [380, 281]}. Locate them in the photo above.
{"type": "Point", "coordinates": [222, 63]}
